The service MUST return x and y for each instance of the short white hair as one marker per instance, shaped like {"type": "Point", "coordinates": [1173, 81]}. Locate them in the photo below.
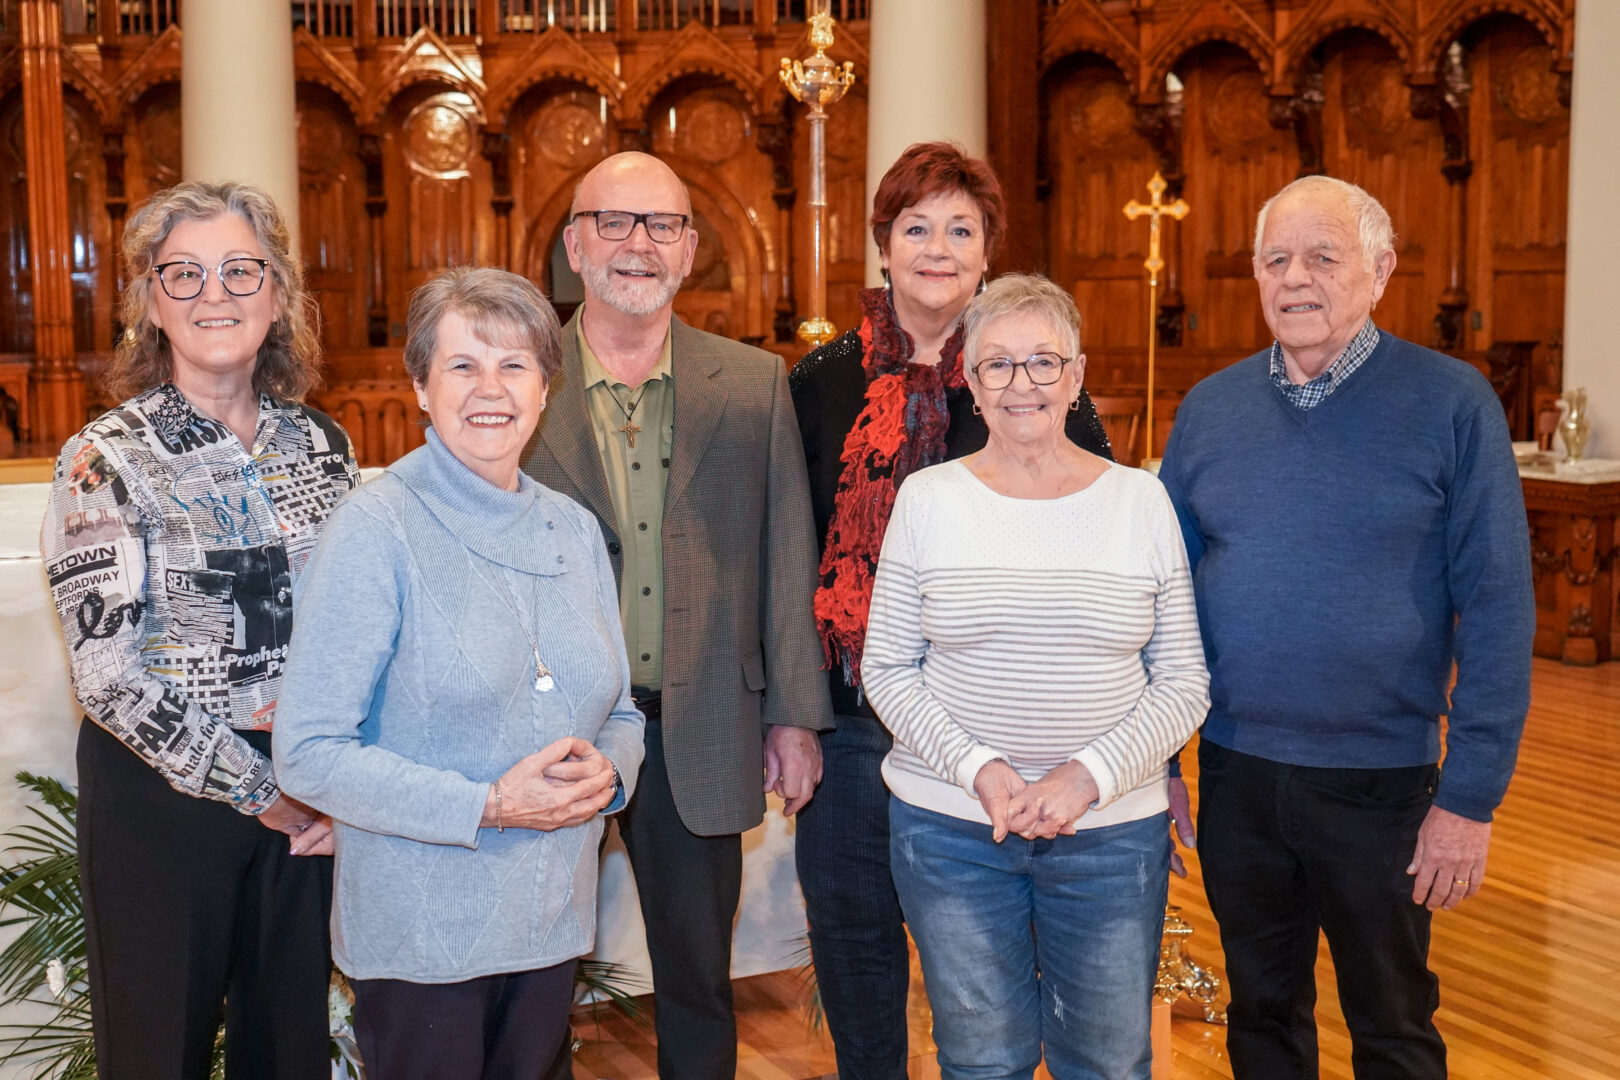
{"type": "Point", "coordinates": [1373, 226]}
{"type": "Point", "coordinates": [1022, 294]}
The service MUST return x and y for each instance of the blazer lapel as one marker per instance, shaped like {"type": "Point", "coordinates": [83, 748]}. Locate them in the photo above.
{"type": "Point", "coordinates": [566, 429]}
{"type": "Point", "coordinates": [700, 400]}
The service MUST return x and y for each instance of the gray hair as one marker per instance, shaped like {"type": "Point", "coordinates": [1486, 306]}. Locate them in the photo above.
{"type": "Point", "coordinates": [1022, 294]}
{"type": "Point", "coordinates": [289, 362]}
{"type": "Point", "coordinates": [1373, 226]}
{"type": "Point", "coordinates": [501, 309]}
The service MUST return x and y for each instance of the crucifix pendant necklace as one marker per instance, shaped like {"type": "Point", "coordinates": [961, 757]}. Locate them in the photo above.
{"type": "Point", "coordinates": [630, 427]}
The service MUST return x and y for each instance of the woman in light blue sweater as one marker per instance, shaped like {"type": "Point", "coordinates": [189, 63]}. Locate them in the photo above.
{"type": "Point", "coordinates": [457, 697]}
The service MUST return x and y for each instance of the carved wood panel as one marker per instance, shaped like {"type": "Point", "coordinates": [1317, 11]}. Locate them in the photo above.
{"type": "Point", "coordinates": [94, 255]}
{"type": "Point", "coordinates": [332, 217]}
{"type": "Point", "coordinates": [437, 186]}
{"type": "Point", "coordinates": [16, 279]}
{"type": "Point", "coordinates": [1096, 161]}
{"type": "Point", "coordinates": [152, 144]}
{"type": "Point", "coordinates": [559, 130]}
{"type": "Point", "coordinates": [1520, 190]}
{"type": "Point", "coordinates": [1371, 138]}
{"type": "Point", "coordinates": [1234, 160]}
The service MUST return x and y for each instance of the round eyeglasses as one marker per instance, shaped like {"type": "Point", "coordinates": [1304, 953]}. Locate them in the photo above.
{"type": "Point", "coordinates": [619, 224]}
{"type": "Point", "coordinates": [1043, 369]}
{"type": "Point", "coordinates": [184, 280]}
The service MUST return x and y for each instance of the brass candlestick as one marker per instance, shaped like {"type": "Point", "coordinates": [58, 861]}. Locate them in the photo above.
{"type": "Point", "coordinates": [1154, 210]}
{"type": "Point", "coordinates": [818, 82]}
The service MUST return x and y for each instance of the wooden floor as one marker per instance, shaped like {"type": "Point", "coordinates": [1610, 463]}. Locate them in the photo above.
{"type": "Point", "coordinates": [1529, 970]}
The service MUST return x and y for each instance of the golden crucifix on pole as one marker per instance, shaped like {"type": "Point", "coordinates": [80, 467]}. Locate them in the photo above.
{"type": "Point", "coordinates": [818, 82]}
{"type": "Point", "coordinates": [1154, 210]}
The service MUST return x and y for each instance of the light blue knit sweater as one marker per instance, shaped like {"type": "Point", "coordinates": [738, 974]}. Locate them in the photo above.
{"type": "Point", "coordinates": [410, 687]}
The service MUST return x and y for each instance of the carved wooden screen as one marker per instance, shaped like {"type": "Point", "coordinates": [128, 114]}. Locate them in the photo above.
{"type": "Point", "coordinates": [433, 203]}
{"type": "Point", "coordinates": [16, 279]}
{"type": "Point", "coordinates": [560, 129]}
{"type": "Point", "coordinates": [1097, 160]}
{"type": "Point", "coordinates": [332, 217]}
{"type": "Point", "coordinates": [94, 254]}
{"type": "Point", "coordinates": [1520, 191]}
{"type": "Point", "coordinates": [1370, 137]}
{"type": "Point", "coordinates": [1235, 160]}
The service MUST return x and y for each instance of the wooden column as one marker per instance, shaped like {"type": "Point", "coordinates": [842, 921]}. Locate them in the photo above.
{"type": "Point", "coordinates": [1012, 43]}
{"type": "Point", "coordinates": [1447, 103]}
{"type": "Point", "coordinates": [497, 148]}
{"type": "Point", "coordinates": [57, 387]}
{"type": "Point", "coordinates": [371, 159]}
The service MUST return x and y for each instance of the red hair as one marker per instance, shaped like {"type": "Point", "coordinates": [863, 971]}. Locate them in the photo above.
{"type": "Point", "coordinates": [926, 169]}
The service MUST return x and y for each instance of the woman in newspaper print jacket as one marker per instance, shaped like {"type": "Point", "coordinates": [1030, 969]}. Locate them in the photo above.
{"type": "Point", "coordinates": [178, 526]}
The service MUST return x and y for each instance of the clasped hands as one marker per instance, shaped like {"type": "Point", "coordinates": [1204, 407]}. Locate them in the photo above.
{"type": "Point", "coordinates": [310, 830]}
{"type": "Point", "coordinates": [566, 783]}
{"type": "Point", "coordinates": [1047, 808]}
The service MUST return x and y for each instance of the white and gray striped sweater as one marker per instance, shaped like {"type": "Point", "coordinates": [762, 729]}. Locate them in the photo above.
{"type": "Point", "coordinates": [1034, 631]}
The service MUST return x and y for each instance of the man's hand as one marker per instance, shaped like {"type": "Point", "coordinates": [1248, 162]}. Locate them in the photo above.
{"type": "Point", "coordinates": [1182, 820]}
{"type": "Point", "coordinates": [996, 785]}
{"type": "Point", "coordinates": [1051, 805]}
{"type": "Point", "coordinates": [792, 765]}
{"type": "Point", "coordinates": [1448, 866]}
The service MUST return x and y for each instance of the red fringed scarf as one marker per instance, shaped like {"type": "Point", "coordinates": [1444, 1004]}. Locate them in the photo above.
{"type": "Point", "coordinates": [901, 429]}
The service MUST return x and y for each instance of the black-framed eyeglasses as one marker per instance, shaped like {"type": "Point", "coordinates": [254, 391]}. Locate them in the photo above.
{"type": "Point", "coordinates": [619, 224]}
{"type": "Point", "coordinates": [184, 280]}
{"type": "Point", "coordinates": [1043, 369]}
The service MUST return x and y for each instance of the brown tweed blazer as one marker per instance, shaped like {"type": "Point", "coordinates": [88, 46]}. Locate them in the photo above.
{"type": "Point", "coordinates": [740, 643]}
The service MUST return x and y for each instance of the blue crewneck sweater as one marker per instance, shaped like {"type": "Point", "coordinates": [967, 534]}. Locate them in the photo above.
{"type": "Point", "coordinates": [1345, 555]}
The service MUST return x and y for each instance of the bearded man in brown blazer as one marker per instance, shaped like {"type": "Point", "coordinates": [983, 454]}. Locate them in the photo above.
{"type": "Point", "coordinates": [685, 446]}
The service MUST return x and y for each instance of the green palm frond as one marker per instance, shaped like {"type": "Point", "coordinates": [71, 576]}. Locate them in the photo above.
{"type": "Point", "coordinates": [613, 983]}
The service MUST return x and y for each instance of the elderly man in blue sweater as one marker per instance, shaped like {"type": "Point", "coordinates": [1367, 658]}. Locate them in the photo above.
{"type": "Point", "coordinates": [1356, 526]}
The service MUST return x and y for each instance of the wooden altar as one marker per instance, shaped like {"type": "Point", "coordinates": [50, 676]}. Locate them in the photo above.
{"type": "Point", "coordinates": [1572, 553]}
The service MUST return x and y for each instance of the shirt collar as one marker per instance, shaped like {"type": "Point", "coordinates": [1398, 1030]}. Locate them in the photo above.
{"type": "Point", "coordinates": [1360, 347]}
{"type": "Point", "coordinates": [595, 373]}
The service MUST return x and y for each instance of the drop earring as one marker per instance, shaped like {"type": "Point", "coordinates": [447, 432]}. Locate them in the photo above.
{"type": "Point", "coordinates": [976, 410]}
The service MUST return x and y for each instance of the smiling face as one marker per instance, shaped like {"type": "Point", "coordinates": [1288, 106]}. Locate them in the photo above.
{"type": "Point", "coordinates": [635, 275]}
{"type": "Point", "coordinates": [1315, 286]}
{"type": "Point", "coordinates": [484, 400]}
{"type": "Point", "coordinates": [936, 255]}
{"type": "Point", "coordinates": [214, 335]}
{"type": "Point", "coordinates": [1024, 413]}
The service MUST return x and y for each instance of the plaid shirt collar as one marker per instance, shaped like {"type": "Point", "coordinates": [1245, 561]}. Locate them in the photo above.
{"type": "Point", "coordinates": [1311, 394]}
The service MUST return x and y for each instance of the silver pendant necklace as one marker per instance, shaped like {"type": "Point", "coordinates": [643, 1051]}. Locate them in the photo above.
{"type": "Point", "coordinates": [543, 680]}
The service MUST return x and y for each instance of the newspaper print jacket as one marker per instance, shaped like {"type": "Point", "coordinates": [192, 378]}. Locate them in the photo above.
{"type": "Point", "coordinates": [172, 554]}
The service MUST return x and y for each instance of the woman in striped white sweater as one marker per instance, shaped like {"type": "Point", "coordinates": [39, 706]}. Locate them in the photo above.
{"type": "Point", "coordinates": [1034, 649]}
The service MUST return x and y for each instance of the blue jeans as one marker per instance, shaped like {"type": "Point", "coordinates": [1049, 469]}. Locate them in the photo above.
{"type": "Point", "coordinates": [1032, 944]}
{"type": "Point", "coordinates": [857, 933]}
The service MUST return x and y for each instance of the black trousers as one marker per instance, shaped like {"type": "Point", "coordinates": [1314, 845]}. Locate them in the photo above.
{"type": "Point", "coordinates": [193, 910]}
{"type": "Point", "coordinates": [496, 1027]}
{"type": "Point", "coordinates": [857, 930]}
{"type": "Point", "coordinates": [1289, 852]}
{"type": "Point", "coordinates": [689, 887]}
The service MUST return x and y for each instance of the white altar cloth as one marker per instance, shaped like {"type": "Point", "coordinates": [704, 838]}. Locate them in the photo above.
{"type": "Point", "coordinates": [39, 722]}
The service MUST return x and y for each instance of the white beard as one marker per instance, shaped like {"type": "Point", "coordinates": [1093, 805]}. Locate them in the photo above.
{"type": "Point", "coordinates": [633, 296]}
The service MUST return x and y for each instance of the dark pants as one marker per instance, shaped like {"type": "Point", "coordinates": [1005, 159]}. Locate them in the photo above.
{"type": "Point", "coordinates": [1289, 852]}
{"type": "Point", "coordinates": [857, 932]}
{"type": "Point", "coordinates": [193, 911]}
{"type": "Point", "coordinates": [497, 1027]}
{"type": "Point", "coordinates": [689, 887]}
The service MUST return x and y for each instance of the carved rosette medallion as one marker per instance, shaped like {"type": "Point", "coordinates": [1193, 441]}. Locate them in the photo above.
{"type": "Point", "coordinates": [320, 140]}
{"type": "Point", "coordinates": [1528, 87]}
{"type": "Point", "coordinates": [438, 138]}
{"type": "Point", "coordinates": [1374, 97]}
{"type": "Point", "coordinates": [1102, 114]}
{"type": "Point", "coordinates": [569, 133]}
{"type": "Point", "coordinates": [1237, 109]}
{"type": "Point", "coordinates": [712, 130]}
{"type": "Point", "coordinates": [160, 139]}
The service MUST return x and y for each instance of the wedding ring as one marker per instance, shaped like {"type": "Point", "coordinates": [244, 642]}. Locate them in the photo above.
{"type": "Point", "coordinates": [1460, 881]}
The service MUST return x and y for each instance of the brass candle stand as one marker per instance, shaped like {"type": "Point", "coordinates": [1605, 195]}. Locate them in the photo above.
{"type": "Point", "coordinates": [818, 83]}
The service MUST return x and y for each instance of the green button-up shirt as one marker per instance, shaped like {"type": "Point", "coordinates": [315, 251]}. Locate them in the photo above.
{"type": "Point", "coordinates": [637, 465]}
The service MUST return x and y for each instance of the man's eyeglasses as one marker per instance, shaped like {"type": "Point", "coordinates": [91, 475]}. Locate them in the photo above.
{"type": "Point", "coordinates": [1043, 369]}
{"type": "Point", "coordinates": [184, 280]}
{"type": "Point", "coordinates": [619, 224]}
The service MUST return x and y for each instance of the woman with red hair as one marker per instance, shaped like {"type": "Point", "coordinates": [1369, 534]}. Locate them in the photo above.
{"type": "Point", "coordinates": [875, 406]}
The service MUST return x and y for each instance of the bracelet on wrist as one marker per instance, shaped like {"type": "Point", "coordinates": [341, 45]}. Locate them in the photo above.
{"type": "Point", "coordinates": [499, 825]}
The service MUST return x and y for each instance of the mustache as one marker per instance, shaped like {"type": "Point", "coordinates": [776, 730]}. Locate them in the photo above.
{"type": "Point", "coordinates": [649, 264]}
